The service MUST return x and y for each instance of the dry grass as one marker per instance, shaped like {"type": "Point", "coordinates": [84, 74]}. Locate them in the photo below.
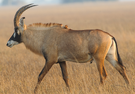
{"type": "Point", "coordinates": [19, 68]}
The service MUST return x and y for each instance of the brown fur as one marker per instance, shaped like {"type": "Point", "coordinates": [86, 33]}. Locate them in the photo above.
{"type": "Point", "coordinates": [35, 33]}
{"type": "Point", "coordinates": [48, 25]}
{"type": "Point", "coordinates": [59, 44]}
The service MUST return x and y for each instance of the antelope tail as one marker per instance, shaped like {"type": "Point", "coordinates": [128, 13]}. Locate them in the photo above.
{"type": "Point", "coordinates": [118, 56]}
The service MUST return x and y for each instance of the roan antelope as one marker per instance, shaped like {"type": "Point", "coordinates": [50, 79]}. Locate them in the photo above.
{"type": "Point", "coordinates": [59, 44]}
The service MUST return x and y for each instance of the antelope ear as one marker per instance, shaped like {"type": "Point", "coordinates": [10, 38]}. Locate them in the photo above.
{"type": "Point", "coordinates": [18, 32]}
{"type": "Point", "coordinates": [21, 24]}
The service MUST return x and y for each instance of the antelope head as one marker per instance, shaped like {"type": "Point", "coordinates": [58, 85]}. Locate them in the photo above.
{"type": "Point", "coordinates": [19, 26]}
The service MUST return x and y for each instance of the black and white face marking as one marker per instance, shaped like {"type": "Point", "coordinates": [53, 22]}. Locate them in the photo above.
{"type": "Point", "coordinates": [15, 38]}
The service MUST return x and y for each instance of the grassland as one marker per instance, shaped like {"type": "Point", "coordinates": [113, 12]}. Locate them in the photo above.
{"type": "Point", "coordinates": [19, 68]}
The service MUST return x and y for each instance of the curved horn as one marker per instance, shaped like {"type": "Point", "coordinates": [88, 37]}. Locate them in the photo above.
{"type": "Point", "coordinates": [19, 12]}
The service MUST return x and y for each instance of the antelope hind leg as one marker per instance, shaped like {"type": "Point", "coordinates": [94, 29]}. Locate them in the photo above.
{"type": "Point", "coordinates": [100, 66]}
{"type": "Point", "coordinates": [64, 72]}
{"type": "Point", "coordinates": [104, 72]}
{"type": "Point", "coordinates": [113, 60]}
{"type": "Point", "coordinates": [122, 71]}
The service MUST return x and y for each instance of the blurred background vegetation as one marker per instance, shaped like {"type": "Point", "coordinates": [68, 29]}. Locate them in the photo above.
{"type": "Point", "coordinates": [47, 2]}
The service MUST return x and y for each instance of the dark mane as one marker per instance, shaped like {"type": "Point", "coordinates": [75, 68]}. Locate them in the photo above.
{"type": "Point", "coordinates": [47, 25]}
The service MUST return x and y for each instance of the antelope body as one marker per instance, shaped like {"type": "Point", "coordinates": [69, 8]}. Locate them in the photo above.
{"type": "Point", "coordinates": [59, 44]}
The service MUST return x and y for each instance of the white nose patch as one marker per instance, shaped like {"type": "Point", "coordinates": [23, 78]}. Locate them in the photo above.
{"type": "Point", "coordinates": [11, 43]}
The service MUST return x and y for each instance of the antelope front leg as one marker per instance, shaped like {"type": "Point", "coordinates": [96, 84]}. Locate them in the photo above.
{"type": "Point", "coordinates": [64, 72]}
{"type": "Point", "coordinates": [44, 71]}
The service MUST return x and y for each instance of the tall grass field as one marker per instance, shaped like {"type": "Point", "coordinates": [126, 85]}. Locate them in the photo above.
{"type": "Point", "coordinates": [19, 67]}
